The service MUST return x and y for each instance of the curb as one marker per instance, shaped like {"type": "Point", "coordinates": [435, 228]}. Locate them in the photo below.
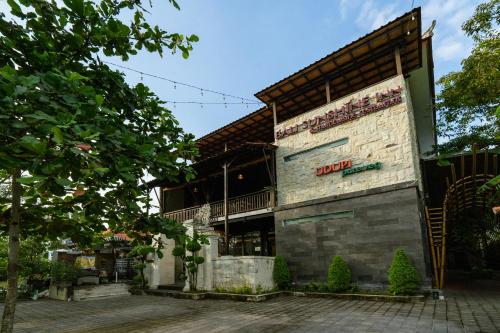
{"type": "Point", "coordinates": [265, 297]}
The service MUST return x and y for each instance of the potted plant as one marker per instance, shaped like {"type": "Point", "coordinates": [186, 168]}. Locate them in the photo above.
{"type": "Point", "coordinates": [62, 275]}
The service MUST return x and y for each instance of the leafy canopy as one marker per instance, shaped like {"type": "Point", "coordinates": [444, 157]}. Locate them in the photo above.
{"type": "Point", "coordinates": [468, 103]}
{"type": "Point", "coordinates": [82, 137]}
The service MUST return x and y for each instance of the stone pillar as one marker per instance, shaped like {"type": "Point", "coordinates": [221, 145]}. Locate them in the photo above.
{"type": "Point", "coordinates": [162, 271]}
{"type": "Point", "coordinates": [210, 252]}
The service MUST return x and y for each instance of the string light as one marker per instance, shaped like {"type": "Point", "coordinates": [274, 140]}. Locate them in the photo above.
{"type": "Point", "coordinates": [210, 103]}
{"type": "Point", "coordinates": [175, 83]}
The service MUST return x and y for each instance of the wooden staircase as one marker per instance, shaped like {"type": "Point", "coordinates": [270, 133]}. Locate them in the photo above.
{"type": "Point", "coordinates": [436, 229]}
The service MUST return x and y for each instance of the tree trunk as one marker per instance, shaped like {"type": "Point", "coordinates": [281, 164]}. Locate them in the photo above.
{"type": "Point", "coordinates": [13, 266]}
{"type": "Point", "coordinates": [143, 278]}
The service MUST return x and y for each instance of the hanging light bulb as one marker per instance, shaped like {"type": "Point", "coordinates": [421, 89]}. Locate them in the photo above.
{"type": "Point", "coordinates": [175, 85]}
{"type": "Point", "coordinates": [195, 190]}
{"type": "Point", "coordinates": [240, 177]}
{"type": "Point", "coordinates": [201, 91]}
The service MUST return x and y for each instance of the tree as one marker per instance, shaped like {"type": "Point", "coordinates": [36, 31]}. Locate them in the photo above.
{"type": "Point", "coordinates": [75, 139]}
{"type": "Point", "coordinates": [468, 103]}
{"type": "Point", "coordinates": [147, 245]}
{"type": "Point", "coordinates": [187, 249]}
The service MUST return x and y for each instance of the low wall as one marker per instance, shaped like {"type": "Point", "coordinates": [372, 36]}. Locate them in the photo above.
{"type": "Point", "coordinates": [235, 272]}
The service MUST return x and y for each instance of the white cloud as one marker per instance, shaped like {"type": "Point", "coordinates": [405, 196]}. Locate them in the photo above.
{"type": "Point", "coordinates": [373, 17]}
{"type": "Point", "coordinates": [344, 8]}
{"type": "Point", "coordinates": [450, 13]}
{"type": "Point", "coordinates": [451, 43]}
{"type": "Point", "coordinates": [450, 49]}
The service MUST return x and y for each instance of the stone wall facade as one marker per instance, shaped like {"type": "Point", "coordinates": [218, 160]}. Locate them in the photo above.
{"type": "Point", "coordinates": [364, 228]}
{"type": "Point", "coordinates": [386, 136]}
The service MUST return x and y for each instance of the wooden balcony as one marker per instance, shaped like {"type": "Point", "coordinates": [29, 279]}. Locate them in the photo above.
{"type": "Point", "coordinates": [237, 205]}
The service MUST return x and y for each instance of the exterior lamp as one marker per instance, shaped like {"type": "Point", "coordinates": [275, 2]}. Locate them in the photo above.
{"type": "Point", "coordinates": [240, 177]}
{"type": "Point", "coordinates": [195, 190]}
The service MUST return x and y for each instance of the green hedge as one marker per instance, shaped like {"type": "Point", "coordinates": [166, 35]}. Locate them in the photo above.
{"type": "Point", "coordinates": [339, 275]}
{"type": "Point", "coordinates": [281, 274]}
{"type": "Point", "coordinates": [403, 276]}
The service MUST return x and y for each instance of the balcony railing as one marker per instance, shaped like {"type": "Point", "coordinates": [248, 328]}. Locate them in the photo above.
{"type": "Point", "coordinates": [236, 205]}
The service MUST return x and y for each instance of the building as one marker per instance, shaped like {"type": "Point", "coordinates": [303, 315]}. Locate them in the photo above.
{"type": "Point", "coordinates": [332, 165]}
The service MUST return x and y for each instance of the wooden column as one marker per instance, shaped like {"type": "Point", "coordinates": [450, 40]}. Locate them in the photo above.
{"type": "Point", "coordinates": [226, 204]}
{"type": "Point", "coordinates": [275, 119]}
{"type": "Point", "coordinates": [273, 178]}
{"type": "Point", "coordinates": [327, 90]}
{"type": "Point", "coordinates": [397, 56]}
{"type": "Point", "coordinates": [162, 199]}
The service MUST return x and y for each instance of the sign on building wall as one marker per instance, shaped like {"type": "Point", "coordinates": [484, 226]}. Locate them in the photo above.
{"type": "Point", "coordinates": [345, 168]}
{"type": "Point", "coordinates": [351, 110]}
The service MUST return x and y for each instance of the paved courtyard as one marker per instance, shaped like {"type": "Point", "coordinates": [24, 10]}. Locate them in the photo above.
{"type": "Point", "coordinates": [461, 312]}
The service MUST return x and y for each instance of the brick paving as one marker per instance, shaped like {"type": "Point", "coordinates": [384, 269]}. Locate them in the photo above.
{"type": "Point", "coordinates": [461, 312]}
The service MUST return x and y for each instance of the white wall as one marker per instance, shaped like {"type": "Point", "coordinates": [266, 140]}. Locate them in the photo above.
{"type": "Point", "coordinates": [251, 271]}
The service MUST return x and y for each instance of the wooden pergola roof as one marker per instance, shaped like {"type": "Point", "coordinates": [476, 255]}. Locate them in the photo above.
{"type": "Point", "coordinates": [364, 62]}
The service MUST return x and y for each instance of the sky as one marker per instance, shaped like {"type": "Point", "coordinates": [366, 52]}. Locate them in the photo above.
{"type": "Point", "coordinates": [246, 46]}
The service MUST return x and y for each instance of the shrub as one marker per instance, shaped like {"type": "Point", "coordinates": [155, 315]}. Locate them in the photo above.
{"type": "Point", "coordinates": [403, 276]}
{"type": "Point", "coordinates": [61, 271]}
{"type": "Point", "coordinates": [281, 274]}
{"type": "Point", "coordinates": [244, 290]}
{"type": "Point", "coordinates": [339, 275]}
{"type": "Point", "coordinates": [137, 280]}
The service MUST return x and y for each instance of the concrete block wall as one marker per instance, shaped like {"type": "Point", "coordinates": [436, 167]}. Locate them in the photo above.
{"type": "Point", "coordinates": [385, 136]}
{"type": "Point", "coordinates": [383, 219]}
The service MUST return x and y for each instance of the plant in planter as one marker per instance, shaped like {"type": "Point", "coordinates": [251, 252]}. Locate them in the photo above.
{"type": "Point", "coordinates": [339, 275]}
{"type": "Point", "coordinates": [63, 273]}
{"type": "Point", "coordinates": [403, 276]}
{"type": "Point", "coordinates": [281, 274]}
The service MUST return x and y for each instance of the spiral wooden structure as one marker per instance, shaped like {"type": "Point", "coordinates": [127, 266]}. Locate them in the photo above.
{"type": "Point", "coordinates": [461, 194]}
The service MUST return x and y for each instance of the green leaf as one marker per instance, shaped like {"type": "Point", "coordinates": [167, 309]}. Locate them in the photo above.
{"type": "Point", "coordinates": [30, 180]}
{"type": "Point", "coordinates": [101, 171]}
{"type": "Point", "coordinates": [193, 38]}
{"type": "Point", "coordinates": [42, 116]}
{"type": "Point", "coordinates": [63, 182]}
{"type": "Point", "coordinates": [443, 163]}
{"type": "Point", "coordinates": [99, 100]}
{"type": "Point", "coordinates": [58, 135]}
{"type": "Point", "coordinates": [20, 90]}
{"type": "Point", "coordinates": [15, 8]}
{"type": "Point", "coordinates": [75, 5]}
{"type": "Point", "coordinates": [33, 144]}
{"type": "Point", "coordinates": [29, 81]}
